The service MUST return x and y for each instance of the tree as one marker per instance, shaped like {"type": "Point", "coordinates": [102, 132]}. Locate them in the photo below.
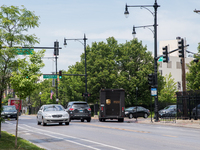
{"type": "Point", "coordinates": [193, 76]}
{"type": "Point", "coordinates": [14, 22]}
{"type": "Point", "coordinates": [168, 93]}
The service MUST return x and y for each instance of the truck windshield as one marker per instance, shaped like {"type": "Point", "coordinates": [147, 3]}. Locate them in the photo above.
{"type": "Point", "coordinates": [9, 108]}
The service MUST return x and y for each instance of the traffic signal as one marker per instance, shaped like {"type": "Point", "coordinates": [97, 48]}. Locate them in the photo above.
{"type": "Point", "coordinates": [56, 48]}
{"type": "Point", "coordinates": [60, 74]}
{"type": "Point", "coordinates": [196, 60]}
{"type": "Point", "coordinates": [181, 48]}
{"type": "Point", "coordinates": [165, 54]}
{"type": "Point", "coordinates": [151, 79]}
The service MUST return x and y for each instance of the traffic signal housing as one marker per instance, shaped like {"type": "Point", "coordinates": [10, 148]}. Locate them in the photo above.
{"type": "Point", "coordinates": [196, 60]}
{"type": "Point", "coordinates": [60, 74]}
{"type": "Point", "coordinates": [165, 54]}
{"type": "Point", "coordinates": [56, 48]}
{"type": "Point", "coordinates": [181, 48]}
{"type": "Point", "coordinates": [151, 79]}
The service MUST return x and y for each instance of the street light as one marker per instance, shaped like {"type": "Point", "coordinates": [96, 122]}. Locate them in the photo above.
{"type": "Point", "coordinates": [147, 26]}
{"type": "Point", "coordinates": [40, 98]}
{"type": "Point", "coordinates": [136, 102]}
{"type": "Point", "coordinates": [155, 6]}
{"type": "Point", "coordinates": [84, 44]}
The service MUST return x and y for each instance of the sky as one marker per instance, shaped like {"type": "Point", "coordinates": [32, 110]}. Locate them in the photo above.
{"type": "Point", "coordinates": [101, 19]}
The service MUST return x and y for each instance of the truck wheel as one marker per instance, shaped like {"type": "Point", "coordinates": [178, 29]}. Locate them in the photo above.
{"type": "Point", "coordinates": [145, 115]}
{"type": "Point", "coordinates": [130, 116]}
{"type": "Point", "coordinates": [120, 120]}
{"type": "Point", "coordinates": [66, 123]}
{"type": "Point", "coordinates": [88, 120]}
{"type": "Point", "coordinates": [82, 120]}
{"type": "Point", "coordinates": [60, 123]}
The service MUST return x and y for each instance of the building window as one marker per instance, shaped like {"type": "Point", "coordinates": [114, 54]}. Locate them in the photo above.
{"type": "Point", "coordinates": [169, 64]}
{"type": "Point", "coordinates": [178, 65]}
{"type": "Point", "coordinates": [160, 72]}
{"type": "Point", "coordinates": [160, 64]}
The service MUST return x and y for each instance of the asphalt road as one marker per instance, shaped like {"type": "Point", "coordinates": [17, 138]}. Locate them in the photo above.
{"type": "Point", "coordinates": [128, 135]}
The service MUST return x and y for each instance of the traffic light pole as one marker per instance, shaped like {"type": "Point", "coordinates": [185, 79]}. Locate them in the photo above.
{"type": "Point", "coordinates": [84, 44]}
{"type": "Point", "coordinates": [155, 6]}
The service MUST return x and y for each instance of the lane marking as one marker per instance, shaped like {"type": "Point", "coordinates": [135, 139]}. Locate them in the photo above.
{"type": "Point", "coordinates": [117, 128]}
{"type": "Point", "coordinates": [170, 136]}
{"type": "Point", "coordinates": [39, 132]}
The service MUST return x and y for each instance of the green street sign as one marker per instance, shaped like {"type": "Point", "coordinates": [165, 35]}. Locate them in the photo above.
{"type": "Point", "coordinates": [24, 51]}
{"type": "Point", "coordinates": [48, 76]}
{"type": "Point", "coordinates": [160, 59]}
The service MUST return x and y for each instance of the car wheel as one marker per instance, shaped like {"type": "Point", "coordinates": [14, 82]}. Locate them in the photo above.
{"type": "Point", "coordinates": [38, 123]}
{"type": "Point", "coordinates": [88, 120]}
{"type": "Point", "coordinates": [16, 118]}
{"type": "Point", "coordinates": [130, 116]}
{"type": "Point", "coordinates": [60, 123]}
{"type": "Point", "coordinates": [66, 123]}
{"type": "Point", "coordinates": [145, 115]}
{"type": "Point", "coordinates": [82, 120]}
{"type": "Point", "coordinates": [44, 124]}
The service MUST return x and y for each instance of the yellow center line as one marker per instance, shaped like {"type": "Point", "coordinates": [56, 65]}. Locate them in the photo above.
{"type": "Point", "coordinates": [170, 136]}
{"type": "Point", "coordinates": [116, 128]}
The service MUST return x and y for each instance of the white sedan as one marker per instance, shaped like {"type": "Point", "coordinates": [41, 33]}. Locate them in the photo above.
{"type": "Point", "coordinates": [52, 113]}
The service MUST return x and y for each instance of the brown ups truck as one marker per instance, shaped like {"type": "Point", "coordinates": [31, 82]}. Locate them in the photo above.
{"type": "Point", "coordinates": [112, 104]}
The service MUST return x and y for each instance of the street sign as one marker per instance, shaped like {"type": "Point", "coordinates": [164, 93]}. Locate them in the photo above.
{"type": "Point", "coordinates": [48, 76]}
{"type": "Point", "coordinates": [160, 59]}
{"type": "Point", "coordinates": [24, 51]}
{"type": "Point", "coordinates": [153, 91]}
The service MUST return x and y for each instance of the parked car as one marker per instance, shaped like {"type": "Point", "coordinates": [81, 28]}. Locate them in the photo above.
{"type": "Point", "coordinates": [196, 111]}
{"type": "Point", "coordinates": [169, 111]}
{"type": "Point", "coordinates": [132, 113]}
{"type": "Point", "coordinates": [9, 112]}
{"type": "Point", "coordinates": [52, 113]}
{"type": "Point", "coordinates": [79, 110]}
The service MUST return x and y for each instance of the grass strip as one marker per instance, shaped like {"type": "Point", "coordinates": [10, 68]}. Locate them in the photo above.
{"type": "Point", "coordinates": [7, 142]}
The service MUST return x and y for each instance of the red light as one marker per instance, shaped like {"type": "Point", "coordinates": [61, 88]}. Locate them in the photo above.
{"type": "Point", "coordinates": [89, 109]}
{"type": "Point", "coordinates": [71, 109]}
{"type": "Point", "coordinates": [122, 108]}
{"type": "Point", "coordinates": [101, 108]}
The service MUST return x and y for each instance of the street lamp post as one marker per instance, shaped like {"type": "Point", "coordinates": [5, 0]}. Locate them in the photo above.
{"type": "Point", "coordinates": [136, 102]}
{"type": "Point", "coordinates": [84, 44]}
{"type": "Point", "coordinates": [40, 98]}
{"type": "Point", "coordinates": [155, 6]}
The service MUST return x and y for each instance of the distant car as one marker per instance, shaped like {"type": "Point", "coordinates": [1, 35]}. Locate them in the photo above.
{"type": "Point", "coordinates": [169, 111]}
{"type": "Point", "coordinates": [9, 112]}
{"type": "Point", "coordinates": [52, 113]}
{"type": "Point", "coordinates": [141, 112]}
{"type": "Point", "coordinates": [196, 111]}
{"type": "Point", "coordinates": [79, 110]}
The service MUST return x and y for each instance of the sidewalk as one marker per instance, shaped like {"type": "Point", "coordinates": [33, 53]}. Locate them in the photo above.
{"type": "Point", "coordinates": [179, 123]}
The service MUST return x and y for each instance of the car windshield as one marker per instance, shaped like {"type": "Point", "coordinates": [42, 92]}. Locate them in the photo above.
{"type": "Point", "coordinates": [79, 105]}
{"type": "Point", "coordinates": [130, 108]}
{"type": "Point", "coordinates": [53, 108]}
{"type": "Point", "coordinates": [170, 107]}
{"type": "Point", "coordinates": [9, 108]}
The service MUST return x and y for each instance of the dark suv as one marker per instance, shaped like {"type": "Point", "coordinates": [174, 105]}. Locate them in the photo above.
{"type": "Point", "coordinates": [79, 110]}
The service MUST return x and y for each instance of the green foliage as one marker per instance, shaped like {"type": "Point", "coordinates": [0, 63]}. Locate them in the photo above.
{"type": "Point", "coordinates": [193, 76]}
{"type": "Point", "coordinates": [168, 93]}
{"type": "Point", "coordinates": [14, 23]}
{"type": "Point", "coordinates": [27, 67]}
{"type": "Point", "coordinates": [8, 142]}
{"type": "Point", "coordinates": [111, 65]}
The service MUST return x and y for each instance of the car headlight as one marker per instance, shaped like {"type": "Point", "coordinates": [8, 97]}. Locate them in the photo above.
{"type": "Point", "coordinates": [126, 112]}
{"type": "Point", "coordinates": [47, 115]}
{"type": "Point", "coordinates": [65, 115]}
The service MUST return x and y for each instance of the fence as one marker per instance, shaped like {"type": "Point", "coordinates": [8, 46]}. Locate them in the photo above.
{"type": "Point", "coordinates": [188, 105]}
